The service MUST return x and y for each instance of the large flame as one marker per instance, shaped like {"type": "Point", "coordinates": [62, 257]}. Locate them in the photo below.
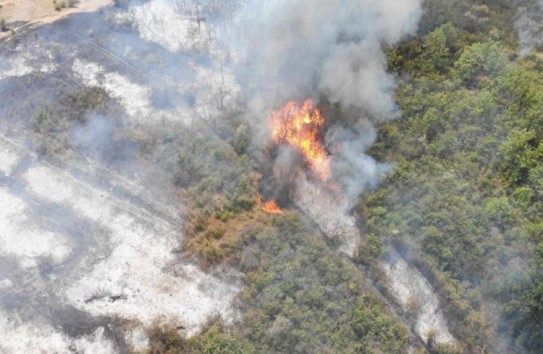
{"type": "Point", "coordinates": [300, 125]}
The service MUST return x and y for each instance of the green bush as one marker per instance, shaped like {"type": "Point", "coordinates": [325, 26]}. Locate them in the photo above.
{"type": "Point", "coordinates": [62, 4]}
{"type": "Point", "coordinates": [213, 253]}
{"type": "Point", "coordinates": [216, 233]}
{"type": "Point", "coordinates": [481, 59]}
{"type": "Point", "coordinates": [214, 342]}
{"type": "Point", "coordinates": [302, 297]}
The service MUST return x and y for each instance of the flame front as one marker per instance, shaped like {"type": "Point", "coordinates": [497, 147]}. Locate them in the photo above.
{"type": "Point", "coordinates": [272, 207]}
{"type": "Point", "coordinates": [300, 125]}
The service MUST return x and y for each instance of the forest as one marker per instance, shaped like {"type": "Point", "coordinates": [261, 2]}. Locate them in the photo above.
{"type": "Point", "coordinates": [457, 194]}
{"type": "Point", "coordinates": [464, 204]}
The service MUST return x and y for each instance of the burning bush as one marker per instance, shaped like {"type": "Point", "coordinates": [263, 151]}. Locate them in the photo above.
{"type": "Point", "coordinates": [301, 125]}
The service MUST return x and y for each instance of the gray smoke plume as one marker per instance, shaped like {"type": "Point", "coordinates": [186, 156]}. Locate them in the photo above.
{"type": "Point", "coordinates": [295, 49]}
{"type": "Point", "coordinates": [529, 26]}
{"type": "Point", "coordinates": [330, 50]}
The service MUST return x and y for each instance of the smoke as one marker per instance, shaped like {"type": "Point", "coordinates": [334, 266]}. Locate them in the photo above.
{"type": "Point", "coordinates": [529, 25]}
{"type": "Point", "coordinates": [329, 50]}
{"type": "Point", "coordinates": [295, 49]}
{"type": "Point", "coordinates": [95, 138]}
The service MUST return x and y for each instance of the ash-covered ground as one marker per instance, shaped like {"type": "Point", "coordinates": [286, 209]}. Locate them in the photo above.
{"type": "Point", "coordinates": [90, 228]}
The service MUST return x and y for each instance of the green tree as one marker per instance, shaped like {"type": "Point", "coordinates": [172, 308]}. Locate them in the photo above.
{"type": "Point", "coordinates": [436, 52]}
{"type": "Point", "coordinates": [481, 60]}
{"type": "Point", "coordinates": [520, 153]}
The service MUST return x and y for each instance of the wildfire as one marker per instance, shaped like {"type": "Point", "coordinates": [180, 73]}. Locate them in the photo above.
{"type": "Point", "coordinates": [272, 207]}
{"type": "Point", "coordinates": [300, 125]}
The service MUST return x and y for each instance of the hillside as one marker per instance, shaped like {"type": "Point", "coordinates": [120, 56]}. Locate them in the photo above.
{"type": "Point", "coordinates": [290, 176]}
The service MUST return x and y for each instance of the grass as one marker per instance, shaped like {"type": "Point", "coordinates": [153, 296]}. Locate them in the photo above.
{"type": "Point", "coordinates": [62, 4]}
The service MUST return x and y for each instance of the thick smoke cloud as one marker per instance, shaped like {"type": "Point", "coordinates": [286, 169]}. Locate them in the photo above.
{"type": "Point", "coordinates": [330, 50]}
{"type": "Point", "coordinates": [295, 49]}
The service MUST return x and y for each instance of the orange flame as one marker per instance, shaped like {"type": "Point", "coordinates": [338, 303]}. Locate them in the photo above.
{"type": "Point", "coordinates": [300, 125]}
{"type": "Point", "coordinates": [272, 207]}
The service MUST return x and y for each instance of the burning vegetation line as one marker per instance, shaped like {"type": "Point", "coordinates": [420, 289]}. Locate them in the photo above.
{"type": "Point", "coordinates": [272, 207]}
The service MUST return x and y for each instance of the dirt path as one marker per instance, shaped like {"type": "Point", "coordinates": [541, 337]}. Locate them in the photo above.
{"type": "Point", "coordinates": [19, 12]}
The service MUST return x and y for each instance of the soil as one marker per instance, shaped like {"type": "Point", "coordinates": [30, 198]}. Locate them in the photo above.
{"type": "Point", "coordinates": [18, 13]}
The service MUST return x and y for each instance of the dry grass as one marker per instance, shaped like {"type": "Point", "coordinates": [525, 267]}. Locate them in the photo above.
{"type": "Point", "coordinates": [216, 239]}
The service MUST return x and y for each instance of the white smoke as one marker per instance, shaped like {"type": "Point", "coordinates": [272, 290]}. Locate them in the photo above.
{"type": "Point", "coordinates": [294, 49]}
{"type": "Point", "coordinates": [529, 26]}
{"type": "Point", "coordinates": [330, 50]}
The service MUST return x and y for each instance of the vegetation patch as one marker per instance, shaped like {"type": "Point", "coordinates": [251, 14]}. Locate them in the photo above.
{"type": "Point", "coordinates": [465, 196]}
{"type": "Point", "coordinates": [62, 4]}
